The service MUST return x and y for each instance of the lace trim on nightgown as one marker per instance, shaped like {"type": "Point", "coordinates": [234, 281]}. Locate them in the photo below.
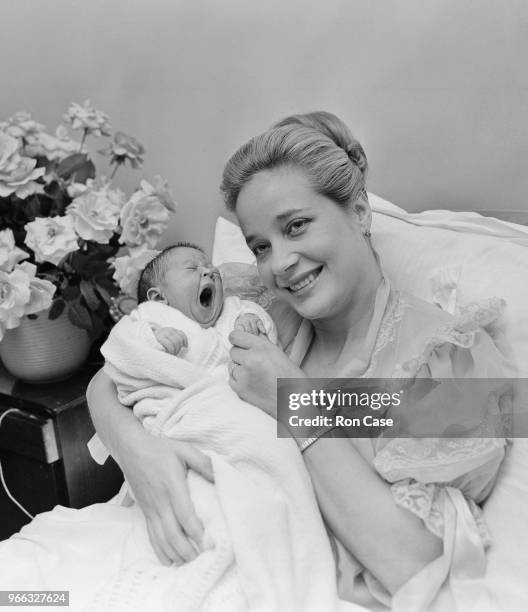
{"type": "Point", "coordinates": [461, 332]}
{"type": "Point", "coordinates": [406, 453]}
{"type": "Point", "coordinates": [426, 502]}
{"type": "Point", "coordinates": [387, 330]}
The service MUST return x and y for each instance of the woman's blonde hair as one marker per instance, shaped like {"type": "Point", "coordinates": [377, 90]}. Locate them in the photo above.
{"type": "Point", "coordinates": [318, 143]}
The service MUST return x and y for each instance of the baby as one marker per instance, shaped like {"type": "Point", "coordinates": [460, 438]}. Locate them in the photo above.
{"type": "Point", "coordinates": [169, 361]}
{"type": "Point", "coordinates": [181, 297]}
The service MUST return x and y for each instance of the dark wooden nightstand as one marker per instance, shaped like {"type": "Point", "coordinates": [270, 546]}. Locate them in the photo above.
{"type": "Point", "coordinates": [43, 449]}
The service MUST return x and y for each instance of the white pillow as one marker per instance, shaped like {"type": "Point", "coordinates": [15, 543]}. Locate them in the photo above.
{"type": "Point", "coordinates": [229, 245]}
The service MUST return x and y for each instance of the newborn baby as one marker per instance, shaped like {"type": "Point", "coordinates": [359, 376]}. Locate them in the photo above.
{"type": "Point", "coordinates": [169, 361]}
{"type": "Point", "coordinates": [181, 297]}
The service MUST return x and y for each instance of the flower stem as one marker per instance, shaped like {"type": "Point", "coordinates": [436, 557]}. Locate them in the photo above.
{"type": "Point", "coordinates": [114, 172]}
{"type": "Point", "coordinates": [85, 132]}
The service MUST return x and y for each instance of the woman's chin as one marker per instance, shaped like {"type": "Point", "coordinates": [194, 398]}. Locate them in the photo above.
{"type": "Point", "coordinates": [312, 308]}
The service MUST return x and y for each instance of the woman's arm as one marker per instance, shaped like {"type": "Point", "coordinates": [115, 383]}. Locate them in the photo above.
{"type": "Point", "coordinates": [388, 540]}
{"type": "Point", "coordinates": [357, 503]}
{"type": "Point", "coordinates": [155, 469]}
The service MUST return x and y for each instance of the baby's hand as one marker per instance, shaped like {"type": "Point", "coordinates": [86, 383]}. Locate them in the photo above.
{"type": "Point", "coordinates": [171, 339]}
{"type": "Point", "coordinates": [250, 323]}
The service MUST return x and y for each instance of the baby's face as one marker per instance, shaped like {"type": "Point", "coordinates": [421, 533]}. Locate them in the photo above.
{"type": "Point", "coordinates": [193, 285]}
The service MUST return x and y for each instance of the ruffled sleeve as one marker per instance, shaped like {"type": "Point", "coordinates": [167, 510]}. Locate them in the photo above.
{"type": "Point", "coordinates": [442, 480]}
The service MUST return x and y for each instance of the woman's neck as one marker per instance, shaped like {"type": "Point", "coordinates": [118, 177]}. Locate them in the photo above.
{"type": "Point", "coordinates": [348, 331]}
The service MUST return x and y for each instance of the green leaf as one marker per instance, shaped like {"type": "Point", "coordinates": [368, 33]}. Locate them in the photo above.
{"type": "Point", "coordinates": [85, 172]}
{"type": "Point", "coordinates": [70, 293]}
{"type": "Point", "coordinates": [88, 293]}
{"type": "Point", "coordinates": [97, 329]}
{"type": "Point", "coordinates": [104, 294]}
{"type": "Point", "coordinates": [71, 164]}
{"type": "Point", "coordinates": [108, 284]}
{"type": "Point", "coordinates": [32, 207]}
{"type": "Point", "coordinates": [94, 267]}
{"type": "Point", "coordinates": [77, 167]}
{"type": "Point", "coordinates": [80, 316]}
{"type": "Point", "coordinates": [56, 309]}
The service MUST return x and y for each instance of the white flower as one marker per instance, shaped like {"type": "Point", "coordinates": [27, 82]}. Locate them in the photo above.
{"type": "Point", "coordinates": [55, 147]}
{"type": "Point", "coordinates": [17, 173]}
{"type": "Point", "coordinates": [41, 291]}
{"type": "Point", "coordinates": [21, 125]}
{"type": "Point", "coordinates": [88, 118]}
{"type": "Point", "coordinates": [76, 189]}
{"type": "Point", "coordinates": [161, 190]}
{"type": "Point", "coordinates": [143, 219]}
{"type": "Point", "coordinates": [95, 215]}
{"type": "Point", "coordinates": [14, 295]}
{"type": "Point", "coordinates": [10, 254]}
{"type": "Point", "coordinates": [51, 238]}
{"type": "Point", "coordinates": [125, 148]}
{"type": "Point", "coordinates": [115, 196]}
{"type": "Point", "coordinates": [129, 267]}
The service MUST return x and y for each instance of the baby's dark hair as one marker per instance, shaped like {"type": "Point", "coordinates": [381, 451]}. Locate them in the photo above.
{"type": "Point", "coordinates": [155, 270]}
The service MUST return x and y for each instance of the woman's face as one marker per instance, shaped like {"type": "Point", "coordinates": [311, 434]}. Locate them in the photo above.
{"type": "Point", "coordinates": [310, 252]}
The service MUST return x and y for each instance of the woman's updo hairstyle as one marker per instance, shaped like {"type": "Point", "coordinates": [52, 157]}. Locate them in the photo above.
{"type": "Point", "coordinates": [318, 143]}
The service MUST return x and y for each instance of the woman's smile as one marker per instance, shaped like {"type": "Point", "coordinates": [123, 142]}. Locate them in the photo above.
{"type": "Point", "coordinates": [302, 284]}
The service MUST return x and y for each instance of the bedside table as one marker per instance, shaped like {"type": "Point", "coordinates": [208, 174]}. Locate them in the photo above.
{"type": "Point", "coordinates": [43, 449]}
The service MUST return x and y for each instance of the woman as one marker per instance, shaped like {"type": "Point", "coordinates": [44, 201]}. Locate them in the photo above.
{"type": "Point", "coordinates": [299, 193]}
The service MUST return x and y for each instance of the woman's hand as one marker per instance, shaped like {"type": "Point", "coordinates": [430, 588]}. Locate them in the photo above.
{"type": "Point", "coordinates": [156, 470]}
{"type": "Point", "coordinates": [256, 365]}
{"type": "Point", "coordinates": [157, 476]}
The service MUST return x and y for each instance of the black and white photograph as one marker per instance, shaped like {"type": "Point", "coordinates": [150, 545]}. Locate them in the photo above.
{"type": "Point", "coordinates": [264, 305]}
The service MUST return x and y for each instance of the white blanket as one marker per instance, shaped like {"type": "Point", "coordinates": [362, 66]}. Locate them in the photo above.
{"type": "Point", "coordinates": [265, 546]}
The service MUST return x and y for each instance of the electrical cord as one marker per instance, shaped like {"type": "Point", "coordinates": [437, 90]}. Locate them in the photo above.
{"type": "Point", "coordinates": [2, 479]}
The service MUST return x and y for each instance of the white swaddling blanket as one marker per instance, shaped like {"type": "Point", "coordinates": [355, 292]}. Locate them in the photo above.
{"type": "Point", "coordinates": [267, 545]}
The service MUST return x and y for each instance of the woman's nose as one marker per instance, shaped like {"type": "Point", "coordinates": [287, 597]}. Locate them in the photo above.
{"type": "Point", "coordinates": [282, 260]}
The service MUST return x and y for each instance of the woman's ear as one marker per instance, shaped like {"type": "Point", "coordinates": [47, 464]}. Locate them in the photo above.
{"type": "Point", "coordinates": [362, 209]}
{"type": "Point", "coordinates": [155, 295]}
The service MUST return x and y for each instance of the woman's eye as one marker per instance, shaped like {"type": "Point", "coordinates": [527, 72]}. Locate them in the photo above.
{"type": "Point", "coordinates": [296, 227]}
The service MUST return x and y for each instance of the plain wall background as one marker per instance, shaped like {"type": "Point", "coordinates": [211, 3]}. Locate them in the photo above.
{"type": "Point", "coordinates": [436, 90]}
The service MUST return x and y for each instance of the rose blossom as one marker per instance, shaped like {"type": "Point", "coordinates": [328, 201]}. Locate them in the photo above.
{"type": "Point", "coordinates": [125, 147]}
{"type": "Point", "coordinates": [95, 216]}
{"type": "Point", "coordinates": [76, 189]}
{"type": "Point", "coordinates": [53, 147]}
{"type": "Point", "coordinates": [10, 254]}
{"type": "Point", "coordinates": [21, 125]}
{"type": "Point", "coordinates": [116, 196]}
{"type": "Point", "coordinates": [51, 238]}
{"type": "Point", "coordinates": [88, 118]}
{"type": "Point", "coordinates": [143, 219]}
{"type": "Point", "coordinates": [14, 295]}
{"type": "Point", "coordinates": [160, 189]}
{"type": "Point", "coordinates": [128, 269]}
{"type": "Point", "coordinates": [17, 174]}
{"type": "Point", "coordinates": [41, 291]}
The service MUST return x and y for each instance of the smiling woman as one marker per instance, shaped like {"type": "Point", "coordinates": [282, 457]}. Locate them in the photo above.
{"type": "Point", "coordinates": [298, 191]}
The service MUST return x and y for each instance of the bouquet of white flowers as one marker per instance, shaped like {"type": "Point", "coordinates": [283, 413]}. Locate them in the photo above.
{"type": "Point", "coordinates": [61, 230]}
